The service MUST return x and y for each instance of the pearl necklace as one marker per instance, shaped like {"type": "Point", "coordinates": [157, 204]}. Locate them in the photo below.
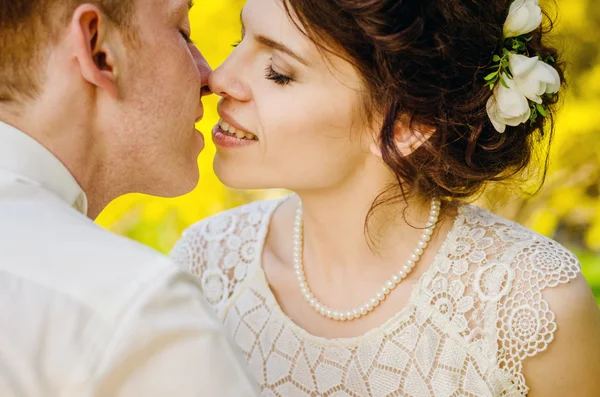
{"type": "Point", "coordinates": [380, 296]}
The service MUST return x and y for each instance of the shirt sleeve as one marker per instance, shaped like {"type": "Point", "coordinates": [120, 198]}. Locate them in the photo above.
{"type": "Point", "coordinates": [171, 344]}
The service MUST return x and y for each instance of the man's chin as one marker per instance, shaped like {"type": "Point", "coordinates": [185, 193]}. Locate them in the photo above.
{"type": "Point", "coordinates": [176, 188]}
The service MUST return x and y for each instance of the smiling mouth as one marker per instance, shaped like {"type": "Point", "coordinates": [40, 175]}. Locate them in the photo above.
{"type": "Point", "coordinates": [232, 131]}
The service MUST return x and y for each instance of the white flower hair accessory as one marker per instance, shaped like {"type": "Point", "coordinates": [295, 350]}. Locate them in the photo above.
{"type": "Point", "coordinates": [520, 81]}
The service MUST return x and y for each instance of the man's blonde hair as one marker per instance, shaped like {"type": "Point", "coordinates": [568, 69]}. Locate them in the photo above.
{"type": "Point", "coordinates": [29, 27]}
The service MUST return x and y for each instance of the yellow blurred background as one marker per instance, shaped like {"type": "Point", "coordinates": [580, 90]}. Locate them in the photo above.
{"type": "Point", "coordinates": [567, 208]}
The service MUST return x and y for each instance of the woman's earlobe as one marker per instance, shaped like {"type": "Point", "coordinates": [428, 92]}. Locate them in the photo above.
{"type": "Point", "coordinates": [408, 140]}
{"type": "Point", "coordinates": [375, 150]}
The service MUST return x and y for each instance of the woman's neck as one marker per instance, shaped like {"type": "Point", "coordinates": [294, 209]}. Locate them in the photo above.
{"type": "Point", "coordinates": [338, 236]}
{"type": "Point", "coordinates": [344, 264]}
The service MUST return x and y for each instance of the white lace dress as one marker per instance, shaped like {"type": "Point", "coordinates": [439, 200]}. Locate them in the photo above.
{"type": "Point", "coordinates": [472, 318]}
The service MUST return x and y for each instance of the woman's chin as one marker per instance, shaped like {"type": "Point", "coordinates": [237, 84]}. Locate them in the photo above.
{"type": "Point", "coordinates": [235, 179]}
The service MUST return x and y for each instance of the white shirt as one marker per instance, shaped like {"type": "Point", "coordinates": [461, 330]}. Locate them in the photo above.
{"type": "Point", "coordinates": [87, 313]}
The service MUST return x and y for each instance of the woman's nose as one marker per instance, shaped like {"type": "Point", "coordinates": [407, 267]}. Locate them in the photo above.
{"type": "Point", "coordinates": [228, 81]}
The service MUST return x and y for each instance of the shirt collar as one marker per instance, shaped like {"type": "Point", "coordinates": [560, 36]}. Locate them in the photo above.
{"type": "Point", "coordinates": [24, 156]}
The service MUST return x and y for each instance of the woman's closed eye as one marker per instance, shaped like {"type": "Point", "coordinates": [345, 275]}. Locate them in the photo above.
{"type": "Point", "coordinates": [278, 78]}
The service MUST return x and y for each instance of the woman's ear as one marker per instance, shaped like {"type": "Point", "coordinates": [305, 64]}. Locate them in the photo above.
{"type": "Point", "coordinates": [407, 137]}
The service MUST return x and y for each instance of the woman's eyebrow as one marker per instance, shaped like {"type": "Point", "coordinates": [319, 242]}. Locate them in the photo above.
{"type": "Point", "coordinates": [267, 42]}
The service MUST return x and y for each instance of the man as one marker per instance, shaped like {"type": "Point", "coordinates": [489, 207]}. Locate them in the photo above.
{"type": "Point", "coordinates": [99, 99]}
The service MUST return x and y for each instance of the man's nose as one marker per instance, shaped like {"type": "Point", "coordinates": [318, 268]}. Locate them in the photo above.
{"type": "Point", "coordinates": [205, 72]}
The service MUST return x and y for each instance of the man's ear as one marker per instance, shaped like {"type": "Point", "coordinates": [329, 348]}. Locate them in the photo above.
{"type": "Point", "coordinates": [95, 53]}
{"type": "Point", "coordinates": [407, 138]}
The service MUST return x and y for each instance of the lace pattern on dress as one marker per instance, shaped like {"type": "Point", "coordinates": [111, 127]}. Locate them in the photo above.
{"type": "Point", "coordinates": [473, 318]}
{"type": "Point", "coordinates": [489, 290]}
{"type": "Point", "coordinates": [221, 250]}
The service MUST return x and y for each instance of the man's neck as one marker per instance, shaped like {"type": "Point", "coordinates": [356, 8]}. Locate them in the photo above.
{"type": "Point", "coordinates": [71, 141]}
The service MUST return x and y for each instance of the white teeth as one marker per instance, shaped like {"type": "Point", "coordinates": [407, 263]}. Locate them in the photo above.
{"type": "Point", "coordinates": [232, 131]}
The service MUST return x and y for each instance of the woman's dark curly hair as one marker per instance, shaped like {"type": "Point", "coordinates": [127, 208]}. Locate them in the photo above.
{"type": "Point", "coordinates": [426, 60]}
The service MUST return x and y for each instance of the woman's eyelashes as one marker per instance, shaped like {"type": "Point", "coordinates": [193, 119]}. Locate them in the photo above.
{"type": "Point", "coordinates": [270, 73]}
{"type": "Point", "coordinates": [278, 78]}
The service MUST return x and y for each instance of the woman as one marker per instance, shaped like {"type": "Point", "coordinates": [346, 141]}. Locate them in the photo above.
{"type": "Point", "coordinates": [374, 278]}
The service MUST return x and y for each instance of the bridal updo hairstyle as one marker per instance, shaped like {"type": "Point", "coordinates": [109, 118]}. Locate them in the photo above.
{"type": "Point", "coordinates": [425, 61]}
